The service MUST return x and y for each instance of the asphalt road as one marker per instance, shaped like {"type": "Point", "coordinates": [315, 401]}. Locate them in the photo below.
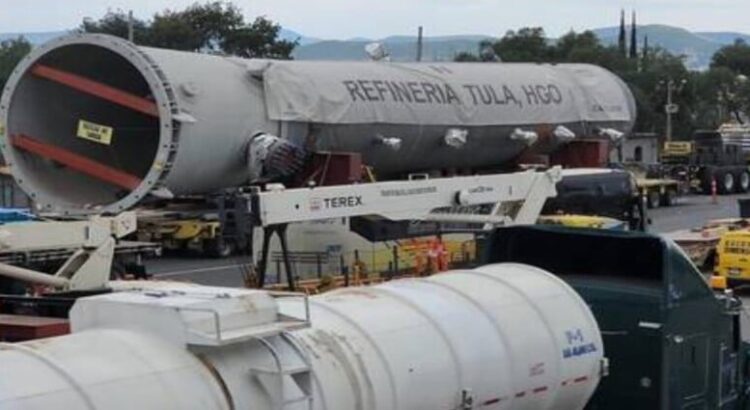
{"type": "Point", "coordinates": [690, 212]}
{"type": "Point", "coordinates": [214, 272]}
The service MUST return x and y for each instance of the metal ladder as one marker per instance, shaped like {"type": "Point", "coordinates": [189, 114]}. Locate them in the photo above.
{"type": "Point", "coordinates": [289, 384]}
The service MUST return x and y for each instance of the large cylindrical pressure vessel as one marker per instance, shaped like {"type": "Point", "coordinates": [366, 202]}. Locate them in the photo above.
{"type": "Point", "coordinates": [105, 369]}
{"type": "Point", "coordinates": [504, 336]}
{"type": "Point", "coordinates": [95, 122]}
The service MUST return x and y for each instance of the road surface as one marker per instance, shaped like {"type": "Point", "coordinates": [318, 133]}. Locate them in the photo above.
{"type": "Point", "coordinates": [693, 211]}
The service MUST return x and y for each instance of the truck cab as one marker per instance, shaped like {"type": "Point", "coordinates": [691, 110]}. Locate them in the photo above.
{"type": "Point", "coordinates": [602, 192]}
{"type": "Point", "coordinates": [672, 343]}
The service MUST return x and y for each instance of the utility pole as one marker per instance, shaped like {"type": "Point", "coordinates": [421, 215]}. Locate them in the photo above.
{"type": "Point", "coordinates": [671, 108]}
{"type": "Point", "coordinates": [419, 44]}
{"type": "Point", "coordinates": [130, 26]}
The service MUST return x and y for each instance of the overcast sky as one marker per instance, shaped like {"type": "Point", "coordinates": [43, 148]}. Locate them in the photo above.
{"type": "Point", "coordinates": [342, 19]}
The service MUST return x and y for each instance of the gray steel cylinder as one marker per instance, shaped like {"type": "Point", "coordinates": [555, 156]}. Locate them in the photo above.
{"type": "Point", "coordinates": [207, 108]}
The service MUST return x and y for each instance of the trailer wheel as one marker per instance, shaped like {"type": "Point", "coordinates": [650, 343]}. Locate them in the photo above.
{"type": "Point", "coordinates": [653, 199]}
{"type": "Point", "coordinates": [667, 199]}
{"type": "Point", "coordinates": [726, 183]}
{"type": "Point", "coordinates": [218, 248]}
{"type": "Point", "coordinates": [743, 181]}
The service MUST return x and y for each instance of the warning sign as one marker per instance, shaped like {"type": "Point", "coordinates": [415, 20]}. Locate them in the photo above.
{"type": "Point", "coordinates": [95, 132]}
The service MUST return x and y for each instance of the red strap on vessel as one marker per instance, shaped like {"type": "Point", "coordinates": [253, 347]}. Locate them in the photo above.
{"type": "Point", "coordinates": [97, 89]}
{"type": "Point", "coordinates": [76, 162]}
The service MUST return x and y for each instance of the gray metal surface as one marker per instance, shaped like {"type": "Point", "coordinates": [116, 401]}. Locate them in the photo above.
{"type": "Point", "coordinates": [209, 107]}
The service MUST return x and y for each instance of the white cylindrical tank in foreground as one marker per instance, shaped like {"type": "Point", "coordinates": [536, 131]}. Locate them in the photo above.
{"type": "Point", "coordinates": [504, 336]}
{"type": "Point", "coordinates": [105, 369]}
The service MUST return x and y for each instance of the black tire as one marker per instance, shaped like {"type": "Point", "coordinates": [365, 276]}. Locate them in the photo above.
{"type": "Point", "coordinates": [668, 197]}
{"type": "Point", "coordinates": [218, 248]}
{"type": "Point", "coordinates": [118, 271]}
{"type": "Point", "coordinates": [653, 199]}
{"type": "Point", "coordinates": [726, 183]}
{"type": "Point", "coordinates": [743, 181]}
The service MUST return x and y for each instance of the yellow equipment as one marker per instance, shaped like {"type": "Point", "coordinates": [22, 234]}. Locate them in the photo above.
{"type": "Point", "coordinates": [581, 221]}
{"type": "Point", "coordinates": [190, 233]}
{"type": "Point", "coordinates": [733, 255]}
{"type": "Point", "coordinates": [677, 149]}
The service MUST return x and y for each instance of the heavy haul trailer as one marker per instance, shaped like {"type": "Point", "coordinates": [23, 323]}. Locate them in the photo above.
{"type": "Point", "coordinates": [707, 162]}
{"type": "Point", "coordinates": [605, 331]}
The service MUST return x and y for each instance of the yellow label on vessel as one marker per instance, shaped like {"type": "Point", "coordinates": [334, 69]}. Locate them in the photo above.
{"type": "Point", "coordinates": [95, 132]}
{"type": "Point", "coordinates": [2, 129]}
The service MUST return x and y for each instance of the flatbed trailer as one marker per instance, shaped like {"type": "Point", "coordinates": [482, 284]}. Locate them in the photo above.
{"type": "Point", "coordinates": [707, 164]}
{"type": "Point", "coordinates": [658, 191]}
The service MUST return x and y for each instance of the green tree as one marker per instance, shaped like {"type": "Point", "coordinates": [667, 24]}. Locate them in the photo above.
{"type": "Point", "coordinates": [649, 85]}
{"type": "Point", "coordinates": [259, 39]}
{"type": "Point", "coordinates": [527, 44]}
{"type": "Point", "coordinates": [172, 30]}
{"type": "Point", "coordinates": [11, 53]}
{"type": "Point", "coordinates": [466, 57]}
{"type": "Point", "coordinates": [200, 27]}
{"type": "Point", "coordinates": [586, 48]}
{"type": "Point", "coordinates": [718, 97]}
{"type": "Point", "coordinates": [214, 27]}
{"type": "Point", "coordinates": [116, 23]}
{"type": "Point", "coordinates": [735, 57]}
{"type": "Point", "coordinates": [621, 42]}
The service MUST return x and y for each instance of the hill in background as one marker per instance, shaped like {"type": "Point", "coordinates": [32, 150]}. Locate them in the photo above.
{"type": "Point", "coordinates": [697, 47]}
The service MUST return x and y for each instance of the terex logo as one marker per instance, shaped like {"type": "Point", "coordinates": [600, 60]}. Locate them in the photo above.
{"type": "Point", "coordinates": [343, 201]}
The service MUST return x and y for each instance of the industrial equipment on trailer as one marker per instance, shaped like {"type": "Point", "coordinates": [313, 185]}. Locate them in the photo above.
{"type": "Point", "coordinates": [121, 123]}
{"type": "Point", "coordinates": [605, 331]}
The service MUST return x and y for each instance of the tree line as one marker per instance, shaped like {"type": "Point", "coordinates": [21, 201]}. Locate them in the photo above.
{"type": "Point", "coordinates": [706, 98]}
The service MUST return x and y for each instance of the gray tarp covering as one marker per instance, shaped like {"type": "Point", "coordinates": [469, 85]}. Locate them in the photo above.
{"type": "Point", "coordinates": [467, 94]}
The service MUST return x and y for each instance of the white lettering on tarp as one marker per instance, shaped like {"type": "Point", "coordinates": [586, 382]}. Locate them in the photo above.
{"type": "Point", "coordinates": [424, 92]}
